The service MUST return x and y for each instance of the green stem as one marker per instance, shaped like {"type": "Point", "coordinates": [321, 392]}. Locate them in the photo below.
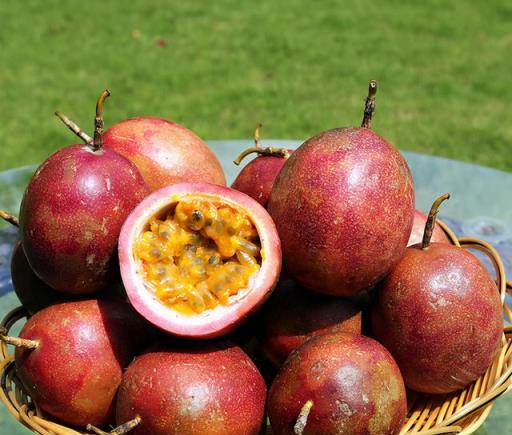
{"type": "Point", "coordinates": [431, 221]}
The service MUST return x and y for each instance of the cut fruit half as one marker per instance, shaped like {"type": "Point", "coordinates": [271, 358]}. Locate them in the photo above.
{"type": "Point", "coordinates": [197, 259]}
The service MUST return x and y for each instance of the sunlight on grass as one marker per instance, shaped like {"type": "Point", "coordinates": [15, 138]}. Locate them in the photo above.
{"type": "Point", "coordinates": [299, 67]}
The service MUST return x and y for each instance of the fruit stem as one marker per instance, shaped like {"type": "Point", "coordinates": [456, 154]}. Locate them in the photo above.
{"type": "Point", "coordinates": [119, 430]}
{"type": "Point", "coordinates": [8, 217]}
{"type": "Point", "coordinates": [74, 128]}
{"type": "Point", "coordinates": [431, 221]}
{"type": "Point", "coordinates": [268, 151]}
{"type": "Point", "coordinates": [257, 134]}
{"type": "Point", "coordinates": [369, 105]}
{"type": "Point", "coordinates": [17, 341]}
{"type": "Point", "coordinates": [302, 419]}
{"type": "Point", "coordinates": [98, 121]}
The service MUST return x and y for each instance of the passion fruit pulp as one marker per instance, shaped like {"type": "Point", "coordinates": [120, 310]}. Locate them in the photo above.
{"type": "Point", "coordinates": [197, 259]}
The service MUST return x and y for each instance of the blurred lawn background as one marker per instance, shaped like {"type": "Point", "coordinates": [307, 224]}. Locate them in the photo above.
{"type": "Point", "coordinates": [299, 67]}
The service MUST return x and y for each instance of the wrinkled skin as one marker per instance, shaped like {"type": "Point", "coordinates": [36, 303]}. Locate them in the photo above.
{"type": "Point", "coordinates": [202, 389]}
{"type": "Point", "coordinates": [35, 295]}
{"type": "Point", "coordinates": [293, 315]}
{"type": "Point", "coordinates": [343, 205]}
{"type": "Point", "coordinates": [71, 216]}
{"type": "Point", "coordinates": [353, 381]}
{"type": "Point", "coordinates": [439, 314]}
{"type": "Point", "coordinates": [257, 177]}
{"type": "Point", "coordinates": [165, 152]}
{"type": "Point", "coordinates": [418, 228]}
{"type": "Point", "coordinates": [83, 348]}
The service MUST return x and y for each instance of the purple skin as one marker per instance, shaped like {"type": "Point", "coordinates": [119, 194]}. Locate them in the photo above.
{"type": "Point", "coordinates": [439, 313]}
{"type": "Point", "coordinates": [257, 177]}
{"type": "Point", "coordinates": [35, 295]}
{"type": "Point", "coordinates": [343, 205]}
{"type": "Point", "coordinates": [353, 381]}
{"type": "Point", "coordinates": [71, 216]}
{"type": "Point", "coordinates": [294, 315]}
{"type": "Point", "coordinates": [203, 388]}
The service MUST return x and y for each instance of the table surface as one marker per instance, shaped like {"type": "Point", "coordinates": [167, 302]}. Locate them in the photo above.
{"type": "Point", "coordinates": [480, 206]}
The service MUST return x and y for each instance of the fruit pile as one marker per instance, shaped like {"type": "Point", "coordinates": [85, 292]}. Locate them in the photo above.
{"type": "Point", "coordinates": [149, 286]}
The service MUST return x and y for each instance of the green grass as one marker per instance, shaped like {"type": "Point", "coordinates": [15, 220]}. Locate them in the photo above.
{"type": "Point", "coordinates": [298, 66]}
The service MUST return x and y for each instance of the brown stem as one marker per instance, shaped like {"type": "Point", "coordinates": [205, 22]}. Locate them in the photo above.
{"type": "Point", "coordinates": [8, 217]}
{"type": "Point", "coordinates": [268, 151]}
{"type": "Point", "coordinates": [369, 105]}
{"type": "Point", "coordinates": [98, 121]}
{"type": "Point", "coordinates": [119, 430]}
{"type": "Point", "coordinates": [431, 221]}
{"type": "Point", "coordinates": [74, 128]}
{"type": "Point", "coordinates": [302, 419]}
{"type": "Point", "coordinates": [17, 341]}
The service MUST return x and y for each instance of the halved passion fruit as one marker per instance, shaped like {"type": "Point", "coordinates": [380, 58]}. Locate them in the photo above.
{"type": "Point", "coordinates": [197, 259]}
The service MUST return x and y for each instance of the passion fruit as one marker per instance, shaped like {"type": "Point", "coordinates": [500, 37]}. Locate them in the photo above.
{"type": "Point", "coordinates": [257, 177]}
{"type": "Point", "coordinates": [33, 293]}
{"type": "Point", "coordinates": [349, 384]}
{"type": "Point", "coordinates": [72, 212]}
{"type": "Point", "coordinates": [199, 389]}
{"type": "Point", "coordinates": [165, 152]}
{"type": "Point", "coordinates": [418, 228]}
{"type": "Point", "coordinates": [293, 315]}
{"type": "Point", "coordinates": [343, 205]}
{"type": "Point", "coordinates": [70, 357]}
{"type": "Point", "coordinates": [197, 259]}
{"type": "Point", "coordinates": [439, 313]}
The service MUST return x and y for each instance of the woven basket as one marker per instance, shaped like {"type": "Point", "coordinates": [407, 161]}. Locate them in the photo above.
{"type": "Point", "coordinates": [462, 412]}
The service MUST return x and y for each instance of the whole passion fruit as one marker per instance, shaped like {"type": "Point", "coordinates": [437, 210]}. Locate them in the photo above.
{"type": "Point", "coordinates": [257, 177]}
{"type": "Point", "coordinates": [439, 313]}
{"type": "Point", "coordinates": [343, 205]}
{"type": "Point", "coordinates": [197, 259]}
{"type": "Point", "coordinates": [201, 389]}
{"type": "Point", "coordinates": [418, 229]}
{"type": "Point", "coordinates": [294, 315]}
{"type": "Point", "coordinates": [72, 212]}
{"type": "Point", "coordinates": [165, 152]}
{"type": "Point", "coordinates": [70, 357]}
{"type": "Point", "coordinates": [350, 383]}
{"type": "Point", "coordinates": [33, 293]}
